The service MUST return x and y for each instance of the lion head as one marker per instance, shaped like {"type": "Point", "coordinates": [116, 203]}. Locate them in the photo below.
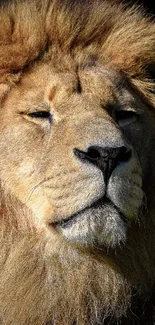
{"type": "Point", "coordinates": [77, 138]}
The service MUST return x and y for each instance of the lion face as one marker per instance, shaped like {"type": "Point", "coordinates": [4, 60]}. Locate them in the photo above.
{"type": "Point", "coordinates": [75, 161]}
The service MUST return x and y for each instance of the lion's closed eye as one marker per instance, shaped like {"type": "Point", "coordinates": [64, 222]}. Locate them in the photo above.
{"type": "Point", "coordinates": [125, 117]}
{"type": "Point", "coordinates": [41, 115]}
{"type": "Point", "coordinates": [42, 118]}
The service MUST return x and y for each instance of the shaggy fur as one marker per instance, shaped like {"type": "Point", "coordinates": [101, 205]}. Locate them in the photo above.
{"type": "Point", "coordinates": [43, 279]}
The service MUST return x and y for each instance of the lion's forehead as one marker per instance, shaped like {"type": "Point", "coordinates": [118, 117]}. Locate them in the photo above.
{"type": "Point", "coordinates": [100, 84]}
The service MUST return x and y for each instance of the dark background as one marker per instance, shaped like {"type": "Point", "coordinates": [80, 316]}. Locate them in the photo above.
{"type": "Point", "coordinates": [148, 4]}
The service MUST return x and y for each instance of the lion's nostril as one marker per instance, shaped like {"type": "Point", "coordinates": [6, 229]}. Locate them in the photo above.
{"type": "Point", "coordinates": [124, 155]}
{"type": "Point", "coordinates": [93, 153]}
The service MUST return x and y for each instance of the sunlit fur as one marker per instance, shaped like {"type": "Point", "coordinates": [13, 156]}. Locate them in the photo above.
{"type": "Point", "coordinates": [43, 279]}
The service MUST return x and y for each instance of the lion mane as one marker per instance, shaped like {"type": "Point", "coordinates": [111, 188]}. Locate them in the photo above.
{"type": "Point", "coordinates": [46, 276]}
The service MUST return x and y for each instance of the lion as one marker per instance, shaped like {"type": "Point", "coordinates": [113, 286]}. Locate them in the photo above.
{"type": "Point", "coordinates": [77, 175]}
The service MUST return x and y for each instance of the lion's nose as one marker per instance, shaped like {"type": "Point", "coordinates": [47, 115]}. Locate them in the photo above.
{"type": "Point", "coordinates": [106, 159]}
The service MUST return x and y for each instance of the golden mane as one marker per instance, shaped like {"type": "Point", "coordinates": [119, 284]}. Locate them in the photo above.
{"type": "Point", "coordinates": [29, 29]}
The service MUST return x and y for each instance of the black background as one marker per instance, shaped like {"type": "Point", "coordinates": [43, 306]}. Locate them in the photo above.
{"type": "Point", "coordinates": [148, 4]}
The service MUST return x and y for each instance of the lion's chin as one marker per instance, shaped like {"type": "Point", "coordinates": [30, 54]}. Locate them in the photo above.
{"type": "Point", "coordinates": [101, 225]}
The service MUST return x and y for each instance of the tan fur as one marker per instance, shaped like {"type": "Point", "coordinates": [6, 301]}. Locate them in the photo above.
{"type": "Point", "coordinates": [46, 46]}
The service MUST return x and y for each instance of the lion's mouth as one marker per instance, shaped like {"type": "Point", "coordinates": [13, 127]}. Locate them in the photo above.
{"type": "Point", "coordinates": [71, 220]}
{"type": "Point", "coordinates": [97, 225]}
{"type": "Point", "coordinates": [68, 222]}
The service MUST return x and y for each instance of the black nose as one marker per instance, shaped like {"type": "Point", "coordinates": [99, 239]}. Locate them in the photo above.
{"type": "Point", "coordinates": [105, 159]}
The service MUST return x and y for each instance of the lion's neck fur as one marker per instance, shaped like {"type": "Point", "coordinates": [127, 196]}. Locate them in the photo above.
{"type": "Point", "coordinates": [38, 285]}
{"type": "Point", "coordinates": [45, 281]}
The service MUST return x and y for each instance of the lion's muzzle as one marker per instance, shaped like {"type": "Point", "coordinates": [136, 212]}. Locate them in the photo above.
{"type": "Point", "coordinates": [104, 204]}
